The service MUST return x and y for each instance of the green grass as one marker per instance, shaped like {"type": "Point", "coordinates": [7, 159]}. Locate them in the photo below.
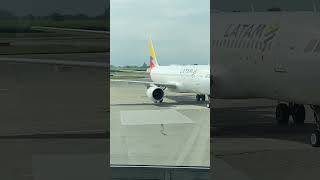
{"type": "Point", "coordinates": [15, 30]}
{"type": "Point", "coordinates": [49, 49]}
{"type": "Point", "coordinates": [14, 26]}
{"type": "Point", "coordinates": [73, 24]}
{"type": "Point", "coordinates": [123, 69]}
{"type": "Point", "coordinates": [126, 77]}
{"type": "Point", "coordinates": [127, 73]}
{"type": "Point", "coordinates": [24, 26]}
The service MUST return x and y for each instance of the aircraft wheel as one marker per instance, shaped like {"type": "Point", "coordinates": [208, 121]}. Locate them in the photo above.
{"type": "Point", "coordinates": [299, 114]}
{"type": "Point", "coordinates": [315, 138]}
{"type": "Point", "coordinates": [198, 97]}
{"type": "Point", "coordinates": [282, 114]}
{"type": "Point", "coordinates": [203, 97]}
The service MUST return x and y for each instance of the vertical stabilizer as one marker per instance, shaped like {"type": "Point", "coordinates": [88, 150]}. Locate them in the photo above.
{"type": "Point", "coordinates": [153, 59]}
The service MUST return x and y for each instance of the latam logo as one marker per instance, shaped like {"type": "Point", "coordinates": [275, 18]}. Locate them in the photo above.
{"type": "Point", "coordinates": [251, 31]}
{"type": "Point", "coordinates": [260, 32]}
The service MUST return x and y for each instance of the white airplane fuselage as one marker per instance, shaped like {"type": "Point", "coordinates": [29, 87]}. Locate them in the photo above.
{"type": "Point", "coordinates": [272, 55]}
{"type": "Point", "coordinates": [188, 78]}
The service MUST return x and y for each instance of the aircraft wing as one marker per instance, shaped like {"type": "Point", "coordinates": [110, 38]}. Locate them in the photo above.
{"type": "Point", "coordinates": [55, 62]}
{"type": "Point", "coordinates": [169, 85]}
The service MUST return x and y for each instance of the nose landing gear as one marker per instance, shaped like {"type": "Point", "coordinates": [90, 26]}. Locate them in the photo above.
{"type": "Point", "coordinates": [200, 97]}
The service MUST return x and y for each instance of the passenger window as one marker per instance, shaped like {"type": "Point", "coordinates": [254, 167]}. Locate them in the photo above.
{"type": "Point", "coordinates": [236, 44]}
{"type": "Point", "coordinates": [248, 44]}
{"type": "Point", "coordinates": [244, 44]}
{"type": "Point", "coordinates": [224, 43]}
{"type": "Point", "coordinates": [270, 44]}
{"type": "Point", "coordinates": [317, 49]}
{"type": "Point", "coordinates": [232, 42]}
{"type": "Point", "coordinates": [261, 45]}
{"type": "Point", "coordinates": [310, 45]}
{"type": "Point", "coordinates": [240, 43]}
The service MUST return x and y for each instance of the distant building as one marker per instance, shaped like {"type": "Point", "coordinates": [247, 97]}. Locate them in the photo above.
{"type": "Point", "coordinates": [144, 65]}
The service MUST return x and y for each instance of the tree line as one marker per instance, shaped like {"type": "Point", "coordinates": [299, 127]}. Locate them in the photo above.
{"type": "Point", "coordinates": [4, 14]}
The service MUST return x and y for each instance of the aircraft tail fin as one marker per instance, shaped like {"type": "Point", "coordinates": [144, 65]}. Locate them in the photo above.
{"type": "Point", "coordinates": [153, 59]}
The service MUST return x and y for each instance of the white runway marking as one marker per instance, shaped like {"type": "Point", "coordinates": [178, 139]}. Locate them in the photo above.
{"type": "Point", "coordinates": [145, 117]}
{"type": "Point", "coordinates": [190, 107]}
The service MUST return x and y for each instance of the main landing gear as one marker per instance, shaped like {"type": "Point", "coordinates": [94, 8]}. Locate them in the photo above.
{"type": "Point", "coordinates": [200, 97]}
{"type": "Point", "coordinates": [315, 136]}
{"type": "Point", "coordinates": [209, 103]}
{"type": "Point", "coordinates": [297, 111]}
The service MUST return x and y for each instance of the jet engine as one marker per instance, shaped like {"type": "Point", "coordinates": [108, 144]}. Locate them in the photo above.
{"type": "Point", "coordinates": [155, 93]}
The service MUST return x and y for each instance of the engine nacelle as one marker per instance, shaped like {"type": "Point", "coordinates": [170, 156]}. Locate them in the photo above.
{"type": "Point", "coordinates": [155, 93]}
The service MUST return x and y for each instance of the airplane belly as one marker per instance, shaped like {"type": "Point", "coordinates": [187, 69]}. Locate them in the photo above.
{"type": "Point", "coordinates": [201, 86]}
{"type": "Point", "coordinates": [227, 84]}
{"type": "Point", "coordinates": [300, 86]}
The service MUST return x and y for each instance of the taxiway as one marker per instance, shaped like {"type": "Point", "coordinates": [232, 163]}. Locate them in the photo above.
{"type": "Point", "coordinates": [173, 133]}
{"type": "Point", "coordinates": [247, 144]}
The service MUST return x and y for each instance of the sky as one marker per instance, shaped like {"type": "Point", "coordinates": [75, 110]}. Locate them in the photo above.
{"type": "Point", "coordinates": [45, 7]}
{"type": "Point", "coordinates": [262, 5]}
{"type": "Point", "coordinates": [180, 30]}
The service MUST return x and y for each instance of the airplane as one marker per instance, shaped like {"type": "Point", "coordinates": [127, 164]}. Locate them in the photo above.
{"type": "Point", "coordinates": [178, 78]}
{"type": "Point", "coordinates": [273, 55]}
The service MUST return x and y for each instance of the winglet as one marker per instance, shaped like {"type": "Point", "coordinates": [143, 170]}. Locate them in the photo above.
{"type": "Point", "coordinates": [153, 59]}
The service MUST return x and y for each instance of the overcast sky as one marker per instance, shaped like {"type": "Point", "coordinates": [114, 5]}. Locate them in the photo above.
{"type": "Point", "coordinates": [45, 7]}
{"type": "Point", "coordinates": [261, 5]}
{"type": "Point", "coordinates": [180, 31]}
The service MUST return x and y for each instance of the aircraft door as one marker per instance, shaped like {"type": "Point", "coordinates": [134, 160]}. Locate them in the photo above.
{"type": "Point", "coordinates": [196, 78]}
{"type": "Point", "coordinates": [279, 55]}
{"type": "Point", "coordinates": [283, 47]}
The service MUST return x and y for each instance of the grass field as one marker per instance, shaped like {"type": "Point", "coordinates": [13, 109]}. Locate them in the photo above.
{"type": "Point", "coordinates": [17, 32]}
{"type": "Point", "coordinates": [24, 26]}
{"type": "Point", "coordinates": [126, 77]}
{"type": "Point", "coordinates": [127, 69]}
{"type": "Point", "coordinates": [76, 24]}
{"type": "Point", "coordinates": [50, 49]}
{"type": "Point", "coordinates": [127, 72]}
